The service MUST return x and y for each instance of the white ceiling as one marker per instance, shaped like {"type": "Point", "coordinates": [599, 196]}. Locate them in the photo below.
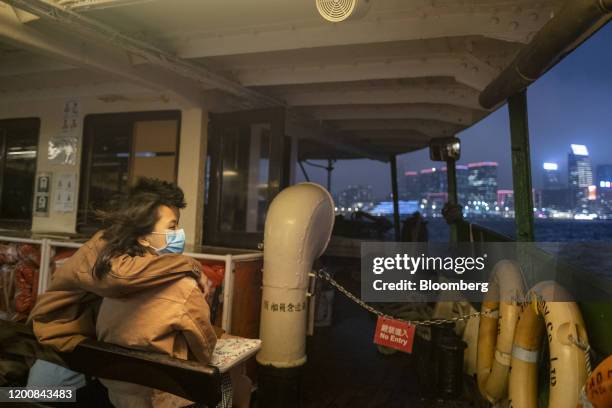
{"type": "Point", "coordinates": [408, 71]}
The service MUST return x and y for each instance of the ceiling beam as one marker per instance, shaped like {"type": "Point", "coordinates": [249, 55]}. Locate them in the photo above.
{"type": "Point", "coordinates": [440, 112]}
{"type": "Point", "coordinates": [381, 134]}
{"type": "Point", "coordinates": [427, 127]}
{"type": "Point", "coordinates": [80, 53]}
{"type": "Point", "coordinates": [332, 141]}
{"type": "Point", "coordinates": [384, 141]}
{"type": "Point", "coordinates": [430, 92]}
{"type": "Point", "coordinates": [79, 24]}
{"type": "Point", "coordinates": [464, 69]}
{"type": "Point", "coordinates": [86, 5]}
{"type": "Point", "coordinates": [509, 22]}
{"type": "Point", "coordinates": [109, 91]}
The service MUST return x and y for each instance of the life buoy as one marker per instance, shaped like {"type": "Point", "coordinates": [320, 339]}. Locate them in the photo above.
{"type": "Point", "coordinates": [499, 314]}
{"type": "Point", "coordinates": [598, 388]}
{"type": "Point", "coordinates": [564, 327]}
{"type": "Point", "coordinates": [470, 337]}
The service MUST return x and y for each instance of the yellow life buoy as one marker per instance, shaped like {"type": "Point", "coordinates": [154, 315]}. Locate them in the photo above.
{"type": "Point", "coordinates": [470, 337]}
{"type": "Point", "coordinates": [550, 312]}
{"type": "Point", "coordinates": [499, 314]}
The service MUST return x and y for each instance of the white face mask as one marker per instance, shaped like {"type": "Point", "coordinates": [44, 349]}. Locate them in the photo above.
{"type": "Point", "coordinates": [175, 242]}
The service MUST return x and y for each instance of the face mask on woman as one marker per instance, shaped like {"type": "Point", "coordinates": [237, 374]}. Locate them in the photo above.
{"type": "Point", "coordinates": [175, 242]}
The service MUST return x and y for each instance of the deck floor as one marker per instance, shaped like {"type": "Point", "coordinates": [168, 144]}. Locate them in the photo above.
{"type": "Point", "coordinates": [344, 368]}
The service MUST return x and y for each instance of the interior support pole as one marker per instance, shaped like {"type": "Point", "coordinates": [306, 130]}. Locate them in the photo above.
{"type": "Point", "coordinates": [396, 214]}
{"type": "Point", "coordinates": [451, 175]}
{"type": "Point", "coordinates": [330, 168]}
{"type": "Point", "coordinates": [303, 170]}
{"type": "Point", "coordinates": [521, 167]}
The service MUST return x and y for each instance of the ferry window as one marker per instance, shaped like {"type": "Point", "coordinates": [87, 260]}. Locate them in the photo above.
{"type": "Point", "coordinates": [484, 173]}
{"type": "Point", "coordinates": [569, 131]}
{"type": "Point", "coordinates": [18, 148]}
{"type": "Point", "coordinates": [248, 167]}
{"type": "Point", "coordinates": [246, 152]}
{"type": "Point", "coordinates": [361, 189]}
{"type": "Point", "coordinates": [119, 149]}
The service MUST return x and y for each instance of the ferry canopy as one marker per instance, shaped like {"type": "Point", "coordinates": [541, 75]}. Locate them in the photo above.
{"type": "Point", "coordinates": [380, 84]}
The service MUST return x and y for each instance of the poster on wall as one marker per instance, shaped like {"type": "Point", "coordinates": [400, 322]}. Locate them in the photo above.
{"type": "Point", "coordinates": [70, 123]}
{"type": "Point", "coordinates": [63, 147]}
{"type": "Point", "coordinates": [41, 194]}
{"type": "Point", "coordinates": [64, 190]}
{"type": "Point", "coordinates": [62, 150]}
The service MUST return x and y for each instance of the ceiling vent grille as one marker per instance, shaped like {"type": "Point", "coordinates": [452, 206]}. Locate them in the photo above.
{"type": "Point", "coordinates": [341, 10]}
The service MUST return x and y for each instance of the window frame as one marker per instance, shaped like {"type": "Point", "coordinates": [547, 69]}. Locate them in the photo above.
{"type": "Point", "coordinates": [86, 223]}
{"type": "Point", "coordinates": [33, 123]}
{"type": "Point", "coordinates": [278, 171]}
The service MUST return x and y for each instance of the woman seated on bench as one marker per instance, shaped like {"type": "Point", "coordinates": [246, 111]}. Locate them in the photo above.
{"type": "Point", "coordinates": [154, 297]}
{"type": "Point", "coordinates": [171, 318]}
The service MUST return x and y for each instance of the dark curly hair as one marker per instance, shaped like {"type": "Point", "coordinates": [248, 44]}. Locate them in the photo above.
{"type": "Point", "coordinates": [132, 217]}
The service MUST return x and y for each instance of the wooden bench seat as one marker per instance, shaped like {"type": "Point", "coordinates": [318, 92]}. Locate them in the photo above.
{"type": "Point", "coordinates": [188, 379]}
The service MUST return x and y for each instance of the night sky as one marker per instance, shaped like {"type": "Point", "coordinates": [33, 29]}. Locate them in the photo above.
{"type": "Point", "coordinates": [572, 103]}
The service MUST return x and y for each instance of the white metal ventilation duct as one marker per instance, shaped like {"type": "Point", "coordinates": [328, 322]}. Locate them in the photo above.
{"type": "Point", "coordinates": [298, 228]}
{"type": "Point", "coordinates": [341, 10]}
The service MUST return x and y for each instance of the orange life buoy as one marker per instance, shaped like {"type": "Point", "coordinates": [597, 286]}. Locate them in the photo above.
{"type": "Point", "coordinates": [598, 388]}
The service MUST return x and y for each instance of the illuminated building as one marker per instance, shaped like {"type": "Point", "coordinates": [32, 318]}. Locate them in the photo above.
{"type": "Point", "coordinates": [580, 176]}
{"type": "Point", "coordinates": [505, 199]}
{"type": "Point", "coordinates": [411, 185]}
{"type": "Point", "coordinates": [463, 184]}
{"type": "Point", "coordinates": [552, 176]}
{"type": "Point", "coordinates": [604, 177]}
{"type": "Point", "coordinates": [429, 181]}
{"type": "Point", "coordinates": [604, 187]}
{"type": "Point", "coordinates": [482, 182]}
{"type": "Point", "coordinates": [553, 194]}
{"type": "Point", "coordinates": [355, 196]}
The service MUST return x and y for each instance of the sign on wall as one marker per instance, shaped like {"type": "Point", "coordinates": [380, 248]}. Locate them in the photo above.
{"type": "Point", "coordinates": [41, 194]}
{"type": "Point", "coordinates": [64, 191]}
{"type": "Point", "coordinates": [63, 147]}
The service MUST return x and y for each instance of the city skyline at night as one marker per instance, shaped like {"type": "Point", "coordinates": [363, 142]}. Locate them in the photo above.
{"type": "Point", "coordinates": [558, 117]}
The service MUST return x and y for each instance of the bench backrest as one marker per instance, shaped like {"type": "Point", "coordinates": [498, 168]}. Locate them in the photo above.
{"type": "Point", "coordinates": [190, 380]}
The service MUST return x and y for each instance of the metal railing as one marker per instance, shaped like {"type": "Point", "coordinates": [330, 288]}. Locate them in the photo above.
{"type": "Point", "coordinates": [596, 314]}
{"type": "Point", "coordinates": [229, 260]}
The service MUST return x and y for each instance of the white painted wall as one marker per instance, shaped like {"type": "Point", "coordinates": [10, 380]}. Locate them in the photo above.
{"type": "Point", "coordinates": [192, 164]}
{"type": "Point", "coordinates": [192, 153]}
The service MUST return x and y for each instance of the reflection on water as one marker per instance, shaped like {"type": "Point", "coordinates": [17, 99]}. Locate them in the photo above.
{"type": "Point", "coordinates": [556, 230]}
{"type": "Point", "coordinates": [586, 245]}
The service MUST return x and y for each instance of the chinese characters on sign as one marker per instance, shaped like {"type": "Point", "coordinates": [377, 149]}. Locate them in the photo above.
{"type": "Point", "coordinates": [64, 192]}
{"type": "Point", "coordinates": [395, 334]}
{"type": "Point", "coordinates": [284, 307]}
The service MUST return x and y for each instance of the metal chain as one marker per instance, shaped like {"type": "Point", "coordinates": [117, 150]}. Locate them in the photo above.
{"type": "Point", "coordinates": [322, 273]}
